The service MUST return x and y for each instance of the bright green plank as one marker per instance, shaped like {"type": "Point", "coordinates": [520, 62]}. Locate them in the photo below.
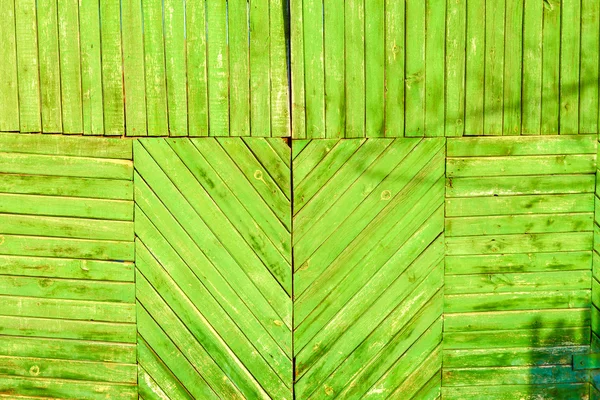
{"type": "Point", "coordinates": [197, 85]}
{"type": "Point", "coordinates": [514, 376]}
{"type": "Point", "coordinates": [314, 70]}
{"type": "Point", "coordinates": [154, 63]}
{"type": "Point", "coordinates": [298, 100]}
{"type": "Point", "coordinates": [584, 144]}
{"type": "Point", "coordinates": [28, 66]}
{"type": "Point", "coordinates": [512, 185]}
{"type": "Point", "coordinates": [112, 67]}
{"type": "Point", "coordinates": [9, 90]}
{"type": "Point", "coordinates": [218, 67]}
{"type": "Point", "coordinates": [260, 82]}
{"type": "Point", "coordinates": [66, 388]}
{"type": "Point", "coordinates": [517, 338]}
{"type": "Point", "coordinates": [133, 67]}
{"type": "Point", "coordinates": [507, 392]}
{"type": "Point", "coordinates": [47, 15]}
{"type": "Point", "coordinates": [355, 39]}
{"type": "Point", "coordinates": [394, 68]}
{"type": "Point", "coordinates": [524, 356]}
{"type": "Point", "coordinates": [239, 66]}
{"type": "Point", "coordinates": [91, 68]}
{"type": "Point", "coordinates": [494, 67]}
{"type": "Point", "coordinates": [335, 110]}
{"type": "Point", "coordinates": [70, 66]}
{"type": "Point", "coordinates": [174, 34]}
{"type": "Point", "coordinates": [435, 38]}
{"type": "Point", "coordinates": [414, 86]}
{"type": "Point", "coordinates": [513, 71]}
{"type": "Point", "coordinates": [551, 66]}
{"type": "Point", "coordinates": [374, 67]}
{"type": "Point", "coordinates": [520, 165]}
{"type": "Point", "coordinates": [456, 46]}
{"type": "Point", "coordinates": [475, 59]}
{"type": "Point", "coordinates": [279, 26]}
{"type": "Point", "coordinates": [588, 85]}
{"type": "Point", "coordinates": [570, 41]}
{"type": "Point", "coordinates": [417, 384]}
{"type": "Point", "coordinates": [18, 346]}
{"type": "Point", "coordinates": [532, 66]}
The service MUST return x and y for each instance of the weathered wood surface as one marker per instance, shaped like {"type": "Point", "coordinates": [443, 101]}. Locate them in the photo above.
{"type": "Point", "coordinates": [444, 68]}
{"type": "Point", "coordinates": [66, 268]}
{"type": "Point", "coordinates": [368, 256]}
{"type": "Point", "coordinates": [145, 67]}
{"type": "Point", "coordinates": [519, 236]}
{"type": "Point", "coordinates": [213, 268]}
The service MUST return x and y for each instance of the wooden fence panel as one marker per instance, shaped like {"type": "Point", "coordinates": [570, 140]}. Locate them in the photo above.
{"type": "Point", "coordinates": [213, 277]}
{"type": "Point", "coordinates": [519, 232]}
{"type": "Point", "coordinates": [368, 259]}
{"type": "Point", "coordinates": [66, 268]}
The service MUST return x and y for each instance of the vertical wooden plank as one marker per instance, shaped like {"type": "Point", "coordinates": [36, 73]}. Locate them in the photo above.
{"type": "Point", "coordinates": [133, 65]}
{"type": "Point", "coordinates": [112, 67]}
{"type": "Point", "coordinates": [355, 68]}
{"type": "Point", "coordinates": [415, 69]}
{"type": "Point", "coordinates": [218, 69]}
{"type": "Point", "coordinates": [175, 66]}
{"type": "Point", "coordinates": [588, 82]}
{"type": "Point", "coordinates": [374, 55]}
{"type": "Point", "coordinates": [197, 86]}
{"type": "Point", "coordinates": [297, 64]}
{"type": "Point", "coordinates": [532, 67]}
{"type": "Point", "coordinates": [494, 67]}
{"type": "Point", "coordinates": [570, 41]}
{"type": "Point", "coordinates": [550, 67]}
{"type": "Point", "coordinates": [335, 102]}
{"type": "Point", "coordinates": [70, 66]}
{"type": "Point", "coordinates": [394, 68]}
{"type": "Point", "coordinates": [9, 91]}
{"type": "Point", "coordinates": [28, 66]}
{"type": "Point", "coordinates": [91, 67]}
{"type": "Point", "coordinates": [513, 50]}
{"type": "Point", "coordinates": [259, 68]}
{"type": "Point", "coordinates": [280, 106]}
{"type": "Point", "coordinates": [314, 69]}
{"type": "Point", "coordinates": [154, 61]}
{"type": "Point", "coordinates": [475, 67]}
{"type": "Point", "coordinates": [49, 65]}
{"type": "Point", "coordinates": [456, 25]}
{"type": "Point", "coordinates": [435, 45]}
{"type": "Point", "coordinates": [239, 124]}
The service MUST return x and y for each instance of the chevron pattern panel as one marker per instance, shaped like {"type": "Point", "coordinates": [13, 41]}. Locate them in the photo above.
{"type": "Point", "coordinates": [67, 319]}
{"type": "Point", "coordinates": [214, 275]}
{"type": "Point", "coordinates": [368, 260]}
{"type": "Point", "coordinates": [519, 232]}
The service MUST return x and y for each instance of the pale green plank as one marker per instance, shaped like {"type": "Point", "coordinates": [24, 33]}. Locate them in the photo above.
{"type": "Point", "coordinates": [394, 68]}
{"type": "Point", "coordinates": [298, 99]}
{"type": "Point", "coordinates": [9, 90]}
{"type": "Point", "coordinates": [456, 46]}
{"type": "Point", "coordinates": [174, 36]}
{"type": "Point", "coordinates": [435, 45]}
{"type": "Point", "coordinates": [374, 67]}
{"type": "Point", "coordinates": [414, 85]}
{"type": "Point", "coordinates": [314, 69]}
{"type": "Point", "coordinates": [112, 67]}
{"type": "Point", "coordinates": [239, 66]}
{"type": "Point", "coordinates": [335, 91]}
{"type": "Point", "coordinates": [475, 60]}
{"type": "Point", "coordinates": [355, 39]}
{"type": "Point", "coordinates": [278, 28]}
{"type": "Point", "coordinates": [197, 86]}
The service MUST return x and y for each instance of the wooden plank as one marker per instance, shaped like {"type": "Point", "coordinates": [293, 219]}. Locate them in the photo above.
{"type": "Point", "coordinates": [355, 39]}
{"type": "Point", "coordinates": [47, 29]}
{"type": "Point", "coordinates": [524, 356]}
{"type": "Point", "coordinates": [414, 67]}
{"type": "Point", "coordinates": [91, 68]}
{"type": "Point", "coordinates": [374, 49]}
{"type": "Point", "coordinates": [298, 98]}
{"type": "Point", "coordinates": [475, 69]}
{"type": "Point", "coordinates": [174, 36]}
{"type": "Point", "coordinates": [523, 146]}
{"type": "Point", "coordinates": [532, 67]}
{"type": "Point", "coordinates": [278, 28]}
{"type": "Point", "coordinates": [9, 90]}
{"type": "Point", "coordinates": [28, 73]}
{"type": "Point", "coordinates": [239, 66]}
{"type": "Point", "coordinates": [513, 67]}
{"type": "Point", "coordinates": [519, 185]}
{"type": "Point", "coordinates": [494, 67]}
{"type": "Point", "coordinates": [70, 66]}
{"type": "Point", "coordinates": [335, 88]}
{"type": "Point", "coordinates": [456, 47]}
{"type": "Point", "coordinates": [112, 67]}
{"type": "Point", "coordinates": [64, 388]}
{"type": "Point", "coordinates": [394, 68]}
{"type": "Point", "coordinates": [570, 41]}
{"type": "Point", "coordinates": [133, 67]}
{"type": "Point", "coordinates": [562, 374]}
{"type": "Point", "coordinates": [314, 69]}
{"type": "Point", "coordinates": [590, 49]}
{"type": "Point", "coordinates": [551, 67]}
{"type": "Point", "coordinates": [435, 45]}
{"type": "Point", "coordinates": [218, 68]}
{"type": "Point", "coordinates": [505, 392]}
{"type": "Point", "coordinates": [197, 79]}
{"type": "Point", "coordinates": [154, 64]}
{"type": "Point", "coordinates": [520, 165]}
